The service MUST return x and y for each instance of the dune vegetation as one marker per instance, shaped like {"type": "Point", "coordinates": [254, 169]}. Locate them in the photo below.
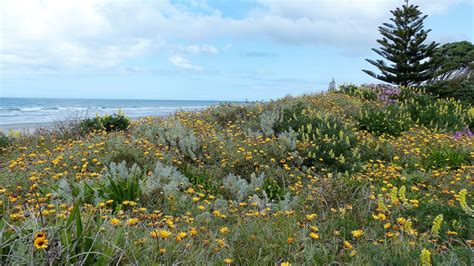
{"type": "Point", "coordinates": [360, 175]}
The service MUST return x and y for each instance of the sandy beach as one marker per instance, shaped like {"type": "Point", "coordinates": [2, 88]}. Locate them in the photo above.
{"type": "Point", "coordinates": [25, 128]}
{"type": "Point", "coordinates": [30, 128]}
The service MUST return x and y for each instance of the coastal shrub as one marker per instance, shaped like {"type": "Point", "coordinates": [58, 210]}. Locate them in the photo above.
{"type": "Point", "coordinates": [385, 93]}
{"type": "Point", "coordinates": [120, 184]}
{"type": "Point", "coordinates": [166, 179]}
{"type": "Point", "coordinates": [460, 90]}
{"type": "Point", "coordinates": [173, 133]}
{"type": "Point", "coordinates": [114, 122]}
{"type": "Point", "coordinates": [239, 189]}
{"type": "Point", "coordinates": [4, 141]}
{"type": "Point", "coordinates": [120, 149]}
{"type": "Point", "coordinates": [91, 124]}
{"type": "Point", "coordinates": [454, 219]}
{"type": "Point", "coordinates": [416, 94]}
{"type": "Point", "coordinates": [288, 140]}
{"type": "Point", "coordinates": [269, 120]}
{"type": "Point", "coordinates": [439, 114]}
{"type": "Point", "coordinates": [70, 192]}
{"type": "Point", "coordinates": [225, 113]}
{"type": "Point", "coordinates": [465, 93]}
{"type": "Point", "coordinates": [390, 120]}
{"type": "Point", "coordinates": [201, 177]}
{"type": "Point", "coordinates": [292, 116]}
{"type": "Point", "coordinates": [446, 157]}
{"type": "Point", "coordinates": [328, 142]}
{"type": "Point", "coordinates": [360, 92]}
{"type": "Point", "coordinates": [273, 190]}
{"type": "Point", "coordinates": [165, 183]}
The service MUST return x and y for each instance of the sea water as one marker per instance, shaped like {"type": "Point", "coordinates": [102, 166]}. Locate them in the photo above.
{"type": "Point", "coordinates": [42, 110]}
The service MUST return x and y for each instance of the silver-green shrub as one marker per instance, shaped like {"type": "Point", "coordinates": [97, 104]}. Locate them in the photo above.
{"type": "Point", "coordinates": [288, 139]}
{"type": "Point", "coordinates": [268, 120]}
{"type": "Point", "coordinates": [173, 133]}
{"type": "Point", "coordinates": [166, 179]}
{"type": "Point", "coordinates": [239, 188]}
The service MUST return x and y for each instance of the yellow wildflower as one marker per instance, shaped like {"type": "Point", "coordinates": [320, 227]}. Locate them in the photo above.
{"type": "Point", "coordinates": [180, 236]}
{"type": "Point", "coordinates": [224, 230]}
{"type": "Point", "coordinates": [114, 222]}
{"type": "Point", "coordinates": [313, 235]}
{"type": "Point", "coordinates": [357, 233]}
{"type": "Point", "coordinates": [41, 243]}
{"type": "Point", "coordinates": [347, 244]}
{"type": "Point", "coordinates": [164, 234]}
{"type": "Point", "coordinates": [311, 217]}
{"type": "Point", "coordinates": [132, 221]}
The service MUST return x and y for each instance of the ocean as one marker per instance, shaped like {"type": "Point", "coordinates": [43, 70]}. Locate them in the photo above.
{"type": "Point", "coordinates": [37, 110]}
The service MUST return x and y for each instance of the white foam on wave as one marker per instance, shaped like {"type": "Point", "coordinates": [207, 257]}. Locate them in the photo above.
{"type": "Point", "coordinates": [52, 114]}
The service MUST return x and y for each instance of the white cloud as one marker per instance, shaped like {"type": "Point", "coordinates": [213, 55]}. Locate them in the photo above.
{"type": "Point", "coordinates": [56, 34]}
{"type": "Point", "coordinates": [194, 49]}
{"type": "Point", "coordinates": [202, 49]}
{"type": "Point", "coordinates": [63, 34]}
{"type": "Point", "coordinates": [183, 63]}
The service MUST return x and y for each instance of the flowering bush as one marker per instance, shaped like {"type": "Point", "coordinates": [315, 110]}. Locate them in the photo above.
{"type": "Point", "coordinates": [108, 123]}
{"type": "Point", "coordinates": [442, 114]}
{"type": "Point", "coordinates": [360, 92]}
{"type": "Point", "coordinates": [390, 120]}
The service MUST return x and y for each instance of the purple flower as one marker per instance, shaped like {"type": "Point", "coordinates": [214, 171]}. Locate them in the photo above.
{"type": "Point", "coordinates": [466, 132]}
{"type": "Point", "coordinates": [384, 92]}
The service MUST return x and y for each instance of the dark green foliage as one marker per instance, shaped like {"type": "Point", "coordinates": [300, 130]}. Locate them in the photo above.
{"type": "Point", "coordinates": [456, 61]}
{"type": "Point", "coordinates": [402, 45]}
{"type": "Point", "coordinates": [411, 106]}
{"type": "Point", "coordinates": [200, 178]}
{"type": "Point", "coordinates": [430, 111]}
{"type": "Point", "coordinates": [390, 120]}
{"type": "Point", "coordinates": [362, 93]}
{"type": "Point", "coordinates": [454, 218]}
{"type": "Point", "coordinates": [273, 190]}
{"type": "Point", "coordinates": [446, 157]}
{"type": "Point", "coordinates": [329, 142]}
{"type": "Point", "coordinates": [459, 90]}
{"type": "Point", "coordinates": [292, 116]}
{"type": "Point", "coordinates": [443, 114]}
{"type": "Point", "coordinates": [91, 124]}
{"type": "Point", "coordinates": [226, 113]}
{"type": "Point", "coordinates": [115, 122]}
{"type": "Point", "coordinates": [108, 123]}
{"type": "Point", "coordinates": [4, 141]}
{"type": "Point", "coordinates": [418, 95]}
{"type": "Point", "coordinates": [121, 184]}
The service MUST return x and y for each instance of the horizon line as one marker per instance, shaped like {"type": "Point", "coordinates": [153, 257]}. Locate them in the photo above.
{"type": "Point", "coordinates": [126, 99]}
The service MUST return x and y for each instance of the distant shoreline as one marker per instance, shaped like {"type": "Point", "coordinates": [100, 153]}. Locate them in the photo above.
{"type": "Point", "coordinates": [27, 115]}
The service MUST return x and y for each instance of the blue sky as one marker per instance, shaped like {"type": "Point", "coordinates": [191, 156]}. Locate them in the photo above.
{"type": "Point", "coordinates": [199, 50]}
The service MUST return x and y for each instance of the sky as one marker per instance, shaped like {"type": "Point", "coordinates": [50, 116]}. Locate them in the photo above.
{"type": "Point", "coordinates": [198, 49]}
